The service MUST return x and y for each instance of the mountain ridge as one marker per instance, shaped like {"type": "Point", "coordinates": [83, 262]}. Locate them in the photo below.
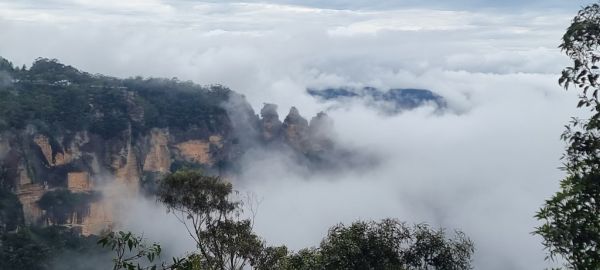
{"type": "Point", "coordinates": [391, 101]}
{"type": "Point", "coordinates": [64, 132]}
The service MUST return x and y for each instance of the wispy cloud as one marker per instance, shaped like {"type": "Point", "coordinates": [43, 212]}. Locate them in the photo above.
{"type": "Point", "coordinates": [485, 169]}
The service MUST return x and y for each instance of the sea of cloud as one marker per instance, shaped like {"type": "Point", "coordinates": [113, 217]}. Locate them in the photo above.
{"type": "Point", "coordinates": [485, 166]}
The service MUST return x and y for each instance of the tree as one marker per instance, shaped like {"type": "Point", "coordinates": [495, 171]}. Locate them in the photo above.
{"type": "Point", "coordinates": [45, 248]}
{"type": "Point", "coordinates": [21, 251]}
{"type": "Point", "coordinates": [62, 205]}
{"type": "Point", "coordinates": [390, 244]}
{"type": "Point", "coordinates": [212, 216]}
{"type": "Point", "coordinates": [11, 210]}
{"type": "Point", "coordinates": [571, 218]}
{"type": "Point", "coordinates": [204, 204]}
{"type": "Point", "coordinates": [131, 251]}
{"type": "Point", "coordinates": [304, 259]}
{"type": "Point", "coordinates": [273, 258]}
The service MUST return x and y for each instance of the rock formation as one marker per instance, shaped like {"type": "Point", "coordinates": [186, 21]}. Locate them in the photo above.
{"type": "Point", "coordinates": [158, 158]}
{"type": "Point", "coordinates": [102, 130]}
{"type": "Point", "coordinates": [320, 131]}
{"type": "Point", "coordinates": [295, 130]}
{"type": "Point", "coordinates": [37, 163]}
{"type": "Point", "coordinates": [270, 123]}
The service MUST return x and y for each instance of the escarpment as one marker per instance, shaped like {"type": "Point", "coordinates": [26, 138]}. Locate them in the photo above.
{"type": "Point", "coordinates": [93, 133]}
{"type": "Point", "coordinates": [38, 163]}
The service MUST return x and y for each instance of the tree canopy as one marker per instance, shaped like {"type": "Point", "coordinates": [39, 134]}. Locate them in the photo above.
{"type": "Point", "coordinates": [210, 213]}
{"type": "Point", "coordinates": [209, 210]}
{"type": "Point", "coordinates": [388, 244]}
{"type": "Point", "coordinates": [56, 97]}
{"type": "Point", "coordinates": [571, 218]}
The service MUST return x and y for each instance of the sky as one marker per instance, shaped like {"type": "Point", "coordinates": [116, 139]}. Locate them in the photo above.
{"type": "Point", "coordinates": [484, 167]}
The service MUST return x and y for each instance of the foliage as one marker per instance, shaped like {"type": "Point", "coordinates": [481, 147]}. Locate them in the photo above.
{"type": "Point", "coordinates": [305, 259]}
{"type": "Point", "coordinates": [171, 103]}
{"type": "Point", "coordinates": [571, 228]}
{"type": "Point", "coordinates": [22, 251]}
{"type": "Point", "coordinates": [364, 245]}
{"type": "Point", "coordinates": [204, 205]}
{"type": "Point", "coordinates": [32, 248]}
{"type": "Point", "coordinates": [130, 250]}
{"type": "Point", "coordinates": [6, 65]}
{"type": "Point", "coordinates": [227, 242]}
{"type": "Point", "coordinates": [57, 97]}
{"type": "Point", "coordinates": [132, 253]}
{"type": "Point", "coordinates": [50, 70]}
{"type": "Point", "coordinates": [61, 204]}
{"type": "Point", "coordinates": [11, 211]}
{"type": "Point", "coordinates": [388, 244]}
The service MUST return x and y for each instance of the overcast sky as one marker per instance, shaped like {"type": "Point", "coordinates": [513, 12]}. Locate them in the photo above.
{"type": "Point", "coordinates": [356, 4]}
{"type": "Point", "coordinates": [484, 167]}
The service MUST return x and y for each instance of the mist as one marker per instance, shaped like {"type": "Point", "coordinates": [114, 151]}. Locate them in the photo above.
{"type": "Point", "coordinates": [484, 171]}
{"type": "Point", "coordinates": [484, 166]}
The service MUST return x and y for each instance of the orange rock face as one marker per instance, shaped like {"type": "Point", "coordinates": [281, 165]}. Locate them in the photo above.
{"type": "Point", "coordinates": [196, 150]}
{"type": "Point", "coordinates": [99, 218]}
{"type": "Point", "coordinates": [158, 158]}
{"type": "Point", "coordinates": [28, 195]}
{"type": "Point", "coordinates": [128, 174]}
{"type": "Point", "coordinates": [78, 182]}
{"type": "Point", "coordinates": [58, 157]}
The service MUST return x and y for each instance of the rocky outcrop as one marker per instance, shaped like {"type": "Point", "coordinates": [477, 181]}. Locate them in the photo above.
{"type": "Point", "coordinates": [98, 215]}
{"type": "Point", "coordinates": [44, 144]}
{"type": "Point", "coordinates": [79, 182]}
{"type": "Point", "coordinates": [127, 174]}
{"type": "Point", "coordinates": [320, 132]}
{"type": "Point", "coordinates": [295, 130]}
{"type": "Point", "coordinates": [270, 123]}
{"type": "Point", "coordinates": [39, 162]}
{"type": "Point", "coordinates": [80, 162]}
{"type": "Point", "coordinates": [197, 151]}
{"type": "Point", "coordinates": [59, 154]}
{"type": "Point", "coordinates": [29, 195]}
{"type": "Point", "coordinates": [158, 158]}
{"type": "Point", "coordinates": [99, 218]}
{"type": "Point", "coordinates": [72, 150]}
{"type": "Point", "coordinates": [130, 132]}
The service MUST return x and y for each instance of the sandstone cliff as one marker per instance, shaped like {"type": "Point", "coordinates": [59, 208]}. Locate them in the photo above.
{"type": "Point", "coordinates": [37, 163]}
{"type": "Point", "coordinates": [97, 130]}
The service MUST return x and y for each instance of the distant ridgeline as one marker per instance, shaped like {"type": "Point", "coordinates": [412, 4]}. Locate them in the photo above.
{"type": "Point", "coordinates": [390, 101]}
{"type": "Point", "coordinates": [63, 132]}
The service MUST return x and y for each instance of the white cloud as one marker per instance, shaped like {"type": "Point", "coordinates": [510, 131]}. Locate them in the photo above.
{"type": "Point", "coordinates": [484, 169]}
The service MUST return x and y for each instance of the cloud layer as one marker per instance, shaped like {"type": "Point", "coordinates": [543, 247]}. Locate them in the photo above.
{"type": "Point", "coordinates": [485, 167]}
